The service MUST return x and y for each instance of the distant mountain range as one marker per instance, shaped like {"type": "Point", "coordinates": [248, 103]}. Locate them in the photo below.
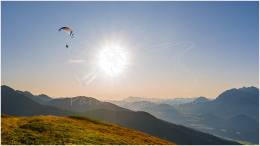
{"type": "Point", "coordinates": [173, 101]}
{"type": "Point", "coordinates": [233, 114]}
{"type": "Point", "coordinates": [25, 104]}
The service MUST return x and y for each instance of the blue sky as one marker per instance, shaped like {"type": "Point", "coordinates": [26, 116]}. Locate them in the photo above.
{"type": "Point", "coordinates": [175, 48]}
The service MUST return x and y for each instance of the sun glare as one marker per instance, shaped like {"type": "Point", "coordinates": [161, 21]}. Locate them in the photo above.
{"type": "Point", "coordinates": [112, 59]}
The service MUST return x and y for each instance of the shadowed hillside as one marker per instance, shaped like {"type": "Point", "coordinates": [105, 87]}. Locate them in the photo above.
{"type": "Point", "coordinates": [15, 103]}
{"type": "Point", "coordinates": [69, 130]}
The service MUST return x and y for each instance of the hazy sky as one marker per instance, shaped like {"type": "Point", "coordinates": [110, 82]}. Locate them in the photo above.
{"type": "Point", "coordinates": [167, 49]}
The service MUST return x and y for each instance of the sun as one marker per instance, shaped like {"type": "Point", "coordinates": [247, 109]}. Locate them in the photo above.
{"type": "Point", "coordinates": [112, 59]}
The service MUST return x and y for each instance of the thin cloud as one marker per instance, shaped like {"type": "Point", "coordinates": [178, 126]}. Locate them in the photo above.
{"type": "Point", "coordinates": [77, 61]}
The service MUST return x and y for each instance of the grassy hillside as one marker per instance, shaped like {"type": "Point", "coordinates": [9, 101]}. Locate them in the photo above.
{"type": "Point", "coordinates": [69, 130]}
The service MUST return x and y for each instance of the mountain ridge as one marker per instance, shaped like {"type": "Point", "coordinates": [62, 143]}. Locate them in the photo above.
{"type": "Point", "coordinates": [141, 121]}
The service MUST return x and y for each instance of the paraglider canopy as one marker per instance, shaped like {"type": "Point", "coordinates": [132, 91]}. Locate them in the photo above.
{"type": "Point", "coordinates": [68, 30]}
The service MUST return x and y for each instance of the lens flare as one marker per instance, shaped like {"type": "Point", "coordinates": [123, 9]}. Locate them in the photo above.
{"type": "Point", "coordinates": [113, 60]}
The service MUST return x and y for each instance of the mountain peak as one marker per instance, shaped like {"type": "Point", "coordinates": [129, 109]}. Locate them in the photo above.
{"type": "Point", "coordinates": [200, 99]}
{"type": "Point", "coordinates": [83, 99]}
{"type": "Point", "coordinates": [252, 90]}
{"type": "Point", "coordinates": [40, 94]}
{"type": "Point", "coordinates": [6, 87]}
{"type": "Point", "coordinates": [244, 95]}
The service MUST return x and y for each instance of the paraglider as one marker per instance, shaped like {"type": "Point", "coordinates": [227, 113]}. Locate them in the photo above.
{"type": "Point", "coordinates": [69, 31]}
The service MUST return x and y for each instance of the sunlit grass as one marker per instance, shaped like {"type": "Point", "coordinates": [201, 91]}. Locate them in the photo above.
{"type": "Point", "coordinates": [69, 130]}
